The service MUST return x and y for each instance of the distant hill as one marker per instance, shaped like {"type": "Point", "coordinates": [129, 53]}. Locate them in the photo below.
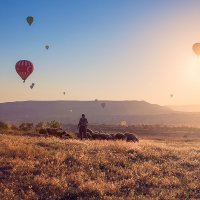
{"type": "Point", "coordinates": [70, 111]}
{"type": "Point", "coordinates": [186, 108]}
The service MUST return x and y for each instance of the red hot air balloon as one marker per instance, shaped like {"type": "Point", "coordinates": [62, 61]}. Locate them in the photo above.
{"type": "Point", "coordinates": [24, 68]}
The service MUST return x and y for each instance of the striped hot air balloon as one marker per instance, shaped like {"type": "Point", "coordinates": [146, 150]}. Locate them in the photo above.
{"type": "Point", "coordinates": [24, 68]}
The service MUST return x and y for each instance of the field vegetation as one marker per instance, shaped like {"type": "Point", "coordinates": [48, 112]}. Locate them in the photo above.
{"type": "Point", "coordinates": [33, 167]}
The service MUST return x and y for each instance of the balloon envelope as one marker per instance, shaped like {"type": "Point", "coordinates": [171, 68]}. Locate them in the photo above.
{"type": "Point", "coordinates": [196, 48]}
{"type": "Point", "coordinates": [24, 68]}
{"type": "Point", "coordinates": [32, 85]}
{"type": "Point", "coordinates": [123, 123]}
{"type": "Point", "coordinates": [29, 19]}
{"type": "Point", "coordinates": [47, 47]}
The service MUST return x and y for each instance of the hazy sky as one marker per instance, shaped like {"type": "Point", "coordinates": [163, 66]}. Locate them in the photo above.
{"type": "Point", "coordinates": [104, 49]}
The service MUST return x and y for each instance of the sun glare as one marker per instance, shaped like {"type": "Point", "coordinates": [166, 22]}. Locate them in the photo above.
{"type": "Point", "coordinates": [193, 70]}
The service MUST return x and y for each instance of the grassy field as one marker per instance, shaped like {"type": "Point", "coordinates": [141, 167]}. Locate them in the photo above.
{"type": "Point", "coordinates": [52, 168]}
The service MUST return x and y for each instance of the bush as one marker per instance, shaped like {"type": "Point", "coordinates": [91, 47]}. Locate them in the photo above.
{"type": "Point", "coordinates": [13, 127]}
{"type": "Point", "coordinates": [25, 126]}
{"type": "Point", "coordinates": [39, 126]}
{"type": "Point", "coordinates": [3, 125]}
{"type": "Point", "coordinates": [43, 131]}
{"type": "Point", "coordinates": [53, 124]}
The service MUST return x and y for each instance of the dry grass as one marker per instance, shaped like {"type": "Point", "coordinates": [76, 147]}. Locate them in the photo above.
{"type": "Point", "coordinates": [51, 168]}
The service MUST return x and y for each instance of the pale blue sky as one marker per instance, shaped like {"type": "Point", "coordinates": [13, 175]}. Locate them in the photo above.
{"type": "Point", "coordinates": [104, 49]}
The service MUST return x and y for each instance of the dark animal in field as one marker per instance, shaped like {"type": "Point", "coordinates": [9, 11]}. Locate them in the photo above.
{"type": "Point", "coordinates": [89, 135]}
{"type": "Point", "coordinates": [120, 136]}
{"type": "Point", "coordinates": [131, 137]}
{"type": "Point", "coordinates": [110, 137]}
{"type": "Point", "coordinates": [90, 131]}
{"type": "Point", "coordinates": [100, 136]}
{"type": "Point", "coordinates": [96, 137]}
{"type": "Point", "coordinates": [106, 136]}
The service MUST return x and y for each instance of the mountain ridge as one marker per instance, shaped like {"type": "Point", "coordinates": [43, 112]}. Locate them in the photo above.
{"type": "Point", "coordinates": [71, 110]}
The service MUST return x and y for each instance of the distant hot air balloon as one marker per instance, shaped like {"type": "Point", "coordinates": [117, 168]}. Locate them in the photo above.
{"type": "Point", "coordinates": [171, 95]}
{"type": "Point", "coordinates": [103, 105]}
{"type": "Point", "coordinates": [24, 68]}
{"type": "Point", "coordinates": [32, 85]}
{"type": "Point", "coordinates": [124, 123]}
{"type": "Point", "coordinates": [29, 19]}
{"type": "Point", "coordinates": [196, 48]}
{"type": "Point", "coordinates": [64, 93]}
{"type": "Point", "coordinates": [47, 47]}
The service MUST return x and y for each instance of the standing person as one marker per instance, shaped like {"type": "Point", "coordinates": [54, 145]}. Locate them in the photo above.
{"type": "Point", "coordinates": [82, 126]}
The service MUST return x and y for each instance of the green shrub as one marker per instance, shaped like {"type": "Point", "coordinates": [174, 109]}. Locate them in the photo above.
{"type": "Point", "coordinates": [53, 124]}
{"type": "Point", "coordinates": [25, 126]}
{"type": "Point", "coordinates": [43, 131]}
{"type": "Point", "coordinates": [14, 127]}
{"type": "Point", "coordinates": [39, 126]}
{"type": "Point", "coordinates": [3, 126]}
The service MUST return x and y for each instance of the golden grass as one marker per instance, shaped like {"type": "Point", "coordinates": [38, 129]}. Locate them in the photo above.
{"type": "Point", "coordinates": [51, 168]}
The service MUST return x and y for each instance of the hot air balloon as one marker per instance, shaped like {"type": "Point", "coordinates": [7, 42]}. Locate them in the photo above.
{"type": "Point", "coordinates": [196, 48]}
{"type": "Point", "coordinates": [32, 85]}
{"type": "Point", "coordinates": [47, 47]}
{"type": "Point", "coordinates": [64, 93]}
{"type": "Point", "coordinates": [24, 68]}
{"type": "Point", "coordinates": [171, 95]}
{"type": "Point", "coordinates": [103, 105]}
{"type": "Point", "coordinates": [124, 123]}
{"type": "Point", "coordinates": [29, 19]}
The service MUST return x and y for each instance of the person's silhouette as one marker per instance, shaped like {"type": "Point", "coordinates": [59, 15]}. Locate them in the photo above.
{"type": "Point", "coordinates": [82, 126]}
